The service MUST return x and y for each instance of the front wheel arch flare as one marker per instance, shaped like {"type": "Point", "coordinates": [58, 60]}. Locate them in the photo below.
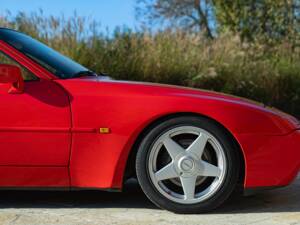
{"type": "Point", "coordinates": [130, 165]}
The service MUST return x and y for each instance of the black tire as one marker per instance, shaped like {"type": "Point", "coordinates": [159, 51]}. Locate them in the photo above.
{"type": "Point", "coordinates": [232, 161]}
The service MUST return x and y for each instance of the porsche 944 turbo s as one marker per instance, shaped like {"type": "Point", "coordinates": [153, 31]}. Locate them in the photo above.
{"type": "Point", "coordinates": [62, 126]}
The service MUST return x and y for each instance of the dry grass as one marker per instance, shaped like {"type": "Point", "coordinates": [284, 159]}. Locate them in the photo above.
{"type": "Point", "coordinates": [256, 71]}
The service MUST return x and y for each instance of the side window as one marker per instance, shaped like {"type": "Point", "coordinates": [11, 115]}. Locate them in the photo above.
{"type": "Point", "coordinates": [26, 74]}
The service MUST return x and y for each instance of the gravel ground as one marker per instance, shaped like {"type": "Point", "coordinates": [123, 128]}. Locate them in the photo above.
{"type": "Point", "coordinates": [281, 206]}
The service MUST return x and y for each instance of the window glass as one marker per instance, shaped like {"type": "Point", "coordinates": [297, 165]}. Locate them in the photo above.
{"type": "Point", "coordinates": [26, 74]}
{"type": "Point", "coordinates": [51, 60]}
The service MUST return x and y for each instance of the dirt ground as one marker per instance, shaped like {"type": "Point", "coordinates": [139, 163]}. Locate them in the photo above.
{"type": "Point", "coordinates": [281, 206]}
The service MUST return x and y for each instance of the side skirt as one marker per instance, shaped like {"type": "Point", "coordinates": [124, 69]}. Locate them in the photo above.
{"type": "Point", "coordinates": [58, 189]}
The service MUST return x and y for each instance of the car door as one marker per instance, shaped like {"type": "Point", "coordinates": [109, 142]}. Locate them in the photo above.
{"type": "Point", "coordinates": [34, 129]}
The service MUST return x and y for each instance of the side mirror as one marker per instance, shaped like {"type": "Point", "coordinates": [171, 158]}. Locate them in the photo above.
{"type": "Point", "coordinates": [11, 75]}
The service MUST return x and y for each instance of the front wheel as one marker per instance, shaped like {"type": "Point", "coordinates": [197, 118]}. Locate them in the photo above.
{"type": "Point", "coordinates": [187, 165]}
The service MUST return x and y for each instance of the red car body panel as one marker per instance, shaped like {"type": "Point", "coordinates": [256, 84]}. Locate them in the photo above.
{"type": "Point", "coordinates": [56, 122]}
{"type": "Point", "coordinates": [42, 113]}
{"type": "Point", "coordinates": [34, 177]}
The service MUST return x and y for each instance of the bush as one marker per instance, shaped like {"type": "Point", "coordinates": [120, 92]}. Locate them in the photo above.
{"type": "Point", "coordinates": [267, 74]}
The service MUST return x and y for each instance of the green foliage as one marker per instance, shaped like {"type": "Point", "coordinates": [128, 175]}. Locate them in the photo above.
{"type": "Point", "coordinates": [269, 20]}
{"type": "Point", "coordinates": [226, 64]}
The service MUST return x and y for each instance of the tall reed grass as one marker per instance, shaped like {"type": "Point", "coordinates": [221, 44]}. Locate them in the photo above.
{"type": "Point", "coordinates": [267, 74]}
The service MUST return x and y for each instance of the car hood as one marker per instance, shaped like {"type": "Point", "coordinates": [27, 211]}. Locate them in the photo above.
{"type": "Point", "coordinates": [167, 89]}
{"type": "Point", "coordinates": [179, 91]}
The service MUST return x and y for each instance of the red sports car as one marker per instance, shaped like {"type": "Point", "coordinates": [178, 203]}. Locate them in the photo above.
{"type": "Point", "coordinates": [63, 126]}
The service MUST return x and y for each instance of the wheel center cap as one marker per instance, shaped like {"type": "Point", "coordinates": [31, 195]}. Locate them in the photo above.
{"type": "Point", "coordinates": [186, 164]}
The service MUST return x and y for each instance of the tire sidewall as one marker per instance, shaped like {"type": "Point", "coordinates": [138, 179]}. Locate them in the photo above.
{"type": "Point", "coordinates": [231, 157]}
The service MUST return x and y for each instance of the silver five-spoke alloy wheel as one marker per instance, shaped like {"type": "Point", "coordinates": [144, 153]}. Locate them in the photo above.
{"type": "Point", "coordinates": [187, 164]}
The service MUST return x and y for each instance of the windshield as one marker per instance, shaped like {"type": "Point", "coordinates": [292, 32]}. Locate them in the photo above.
{"type": "Point", "coordinates": [51, 60]}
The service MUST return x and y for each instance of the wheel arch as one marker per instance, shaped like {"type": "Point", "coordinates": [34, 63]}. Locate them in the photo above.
{"type": "Point", "coordinates": [130, 164]}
